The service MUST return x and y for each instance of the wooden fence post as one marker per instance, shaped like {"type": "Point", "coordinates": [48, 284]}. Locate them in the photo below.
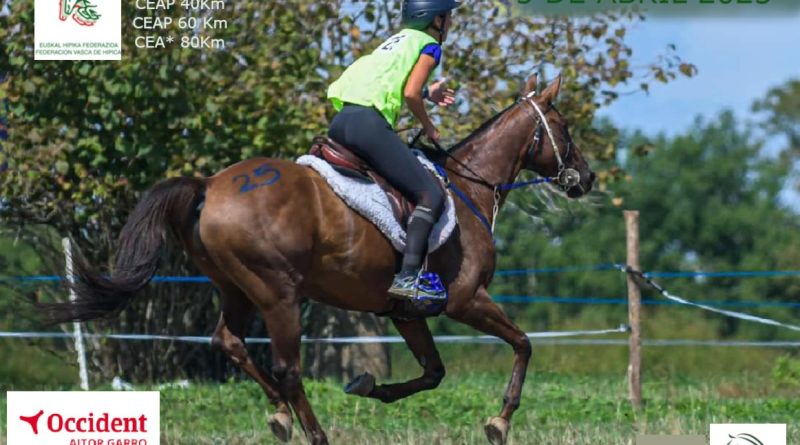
{"type": "Point", "coordinates": [634, 310]}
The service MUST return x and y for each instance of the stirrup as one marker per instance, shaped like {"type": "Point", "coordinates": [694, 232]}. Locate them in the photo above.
{"type": "Point", "coordinates": [427, 294]}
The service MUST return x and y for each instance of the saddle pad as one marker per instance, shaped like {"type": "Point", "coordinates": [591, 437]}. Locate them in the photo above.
{"type": "Point", "coordinates": [370, 201]}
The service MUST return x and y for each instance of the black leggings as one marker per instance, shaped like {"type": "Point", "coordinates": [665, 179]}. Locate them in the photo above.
{"type": "Point", "coordinates": [365, 131]}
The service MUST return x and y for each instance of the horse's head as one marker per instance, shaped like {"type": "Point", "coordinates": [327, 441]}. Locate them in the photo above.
{"type": "Point", "coordinates": [552, 152]}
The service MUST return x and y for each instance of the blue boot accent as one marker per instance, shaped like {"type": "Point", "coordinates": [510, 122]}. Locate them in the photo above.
{"type": "Point", "coordinates": [424, 293]}
{"type": "Point", "coordinates": [431, 294]}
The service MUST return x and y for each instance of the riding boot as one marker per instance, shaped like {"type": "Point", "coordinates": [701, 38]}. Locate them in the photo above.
{"type": "Point", "coordinates": [410, 283]}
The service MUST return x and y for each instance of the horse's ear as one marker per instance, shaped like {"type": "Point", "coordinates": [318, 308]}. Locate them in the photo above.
{"type": "Point", "coordinates": [530, 84]}
{"type": "Point", "coordinates": [551, 92]}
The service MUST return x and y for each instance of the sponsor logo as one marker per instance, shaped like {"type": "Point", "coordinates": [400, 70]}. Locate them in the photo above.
{"type": "Point", "coordinates": [748, 434]}
{"type": "Point", "coordinates": [744, 439]}
{"type": "Point", "coordinates": [33, 421]}
{"type": "Point", "coordinates": [72, 418]}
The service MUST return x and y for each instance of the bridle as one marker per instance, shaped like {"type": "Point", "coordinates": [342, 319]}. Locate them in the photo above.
{"type": "Point", "coordinates": [566, 178]}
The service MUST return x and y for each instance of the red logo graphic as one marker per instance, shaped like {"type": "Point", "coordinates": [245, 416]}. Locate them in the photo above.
{"type": "Point", "coordinates": [33, 421]}
{"type": "Point", "coordinates": [104, 423]}
{"type": "Point", "coordinates": [81, 11]}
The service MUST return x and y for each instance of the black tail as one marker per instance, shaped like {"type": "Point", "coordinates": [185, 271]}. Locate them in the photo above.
{"type": "Point", "coordinates": [170, 204]}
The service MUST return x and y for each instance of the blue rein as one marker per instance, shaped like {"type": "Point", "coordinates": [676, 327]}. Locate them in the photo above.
{"type": "Point", "coordinates": [471, 205]}
{"type": "Point", "coordinates": [517, 185]}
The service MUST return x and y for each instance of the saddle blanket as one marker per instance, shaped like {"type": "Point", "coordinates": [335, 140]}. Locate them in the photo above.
{"type": "Point", "coordinates": [369, 200]}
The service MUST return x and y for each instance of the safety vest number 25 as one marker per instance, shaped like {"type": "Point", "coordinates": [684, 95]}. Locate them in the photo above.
{"type": "Point", "coordinates": [389, 44]}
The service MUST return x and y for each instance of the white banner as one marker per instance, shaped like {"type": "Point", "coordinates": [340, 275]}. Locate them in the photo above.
{"type": "Point", "coordinates": [78, 30]}
{"type": "Point", "coordinates": [748, 434]}
{"type": "Point", "coordinates": [83, 418]}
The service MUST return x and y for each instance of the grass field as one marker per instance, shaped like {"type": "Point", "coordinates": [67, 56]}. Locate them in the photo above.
{"type": "Point", "coordinates": [573, 395]}
{"type": "Point", "coordinates": [557, 409]}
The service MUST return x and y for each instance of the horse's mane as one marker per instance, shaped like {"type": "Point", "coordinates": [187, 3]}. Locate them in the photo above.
{"type": "Point", "coordinates": [480, 129]}
{"type": "Point", "coordinates": [439, 157]}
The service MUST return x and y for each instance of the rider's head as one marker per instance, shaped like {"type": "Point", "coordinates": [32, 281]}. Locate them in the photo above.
{"type": "Point", "coordinates": [432, 16]}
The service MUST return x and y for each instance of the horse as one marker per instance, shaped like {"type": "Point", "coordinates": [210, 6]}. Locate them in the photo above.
{"type": "Point", "coordinates": [268, 231]}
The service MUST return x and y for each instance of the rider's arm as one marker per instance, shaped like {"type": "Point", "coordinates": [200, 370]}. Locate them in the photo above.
{"type": "Point", "coordinates": [413, 90]}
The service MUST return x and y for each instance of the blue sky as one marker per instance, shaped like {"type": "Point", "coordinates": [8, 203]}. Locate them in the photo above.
{"type": "Point", "coordinates": [739, 60]}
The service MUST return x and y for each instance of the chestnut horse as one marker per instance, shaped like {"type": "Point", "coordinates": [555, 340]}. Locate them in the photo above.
{"type": "Point", "coordinates": [268, 231]}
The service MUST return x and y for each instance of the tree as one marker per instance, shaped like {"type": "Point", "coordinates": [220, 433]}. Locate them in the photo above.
{"type": "Point", "coordinates": [782, 108]}
{"type": "Point", "coordinates": [3, 127]}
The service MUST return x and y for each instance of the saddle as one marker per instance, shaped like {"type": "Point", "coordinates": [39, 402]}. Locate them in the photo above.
{"type": "Point", "coordinates": [343, 160]}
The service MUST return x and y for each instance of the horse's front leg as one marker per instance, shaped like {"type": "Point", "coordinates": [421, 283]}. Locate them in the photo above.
{"type": "Point", "coordinates": [484, 315]}
{"type": "Point", "coordinates": [419, 339]}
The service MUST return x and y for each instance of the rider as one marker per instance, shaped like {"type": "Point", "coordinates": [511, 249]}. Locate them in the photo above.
{"type": "Point", "coordinates": [368, 97]}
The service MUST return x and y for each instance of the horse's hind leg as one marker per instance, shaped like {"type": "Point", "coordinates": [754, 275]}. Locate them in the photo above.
{"type": "Point", "coordinates": [229, 336]}
{"type": "Point", "coordinates": [283, 323]}
{"type": "Point", "coordinates": [419, 339]}
{"type": "Point", "coordinates": [484, 315]}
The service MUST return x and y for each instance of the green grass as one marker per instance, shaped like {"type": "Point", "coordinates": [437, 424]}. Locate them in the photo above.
{"type": "Point", "coordinates": [557, 409]}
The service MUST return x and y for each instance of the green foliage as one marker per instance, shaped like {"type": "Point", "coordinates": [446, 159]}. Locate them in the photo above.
{"type": "Point", "coordinates": [18, 259]}
{"type": "Point", "coordinates": [40, 364]}
{"type": "Point", "coordinates": [786, 372]}
{"type": "Point", "coordinates": [782, 113]}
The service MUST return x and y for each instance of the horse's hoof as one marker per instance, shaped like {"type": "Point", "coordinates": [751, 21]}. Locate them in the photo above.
{"type": "Point", "coordinates": [496, 430]}
{"type": "Point", "coordinates": [281, 426]}
{"type": "Point", "coordinates": [361, 385]}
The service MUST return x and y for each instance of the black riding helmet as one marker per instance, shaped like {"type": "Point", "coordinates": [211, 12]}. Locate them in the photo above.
{"type": "Point", "coordinates": [420, 14]}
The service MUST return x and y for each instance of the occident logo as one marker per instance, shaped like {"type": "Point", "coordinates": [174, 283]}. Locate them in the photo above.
{"type": "Point", "coordinates": [57, 423]}
{"type": "Point", "coordinates": [83, 418]}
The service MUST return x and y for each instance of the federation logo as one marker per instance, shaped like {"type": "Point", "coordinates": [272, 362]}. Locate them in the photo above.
{"type": "Point", "coordinates": [80, 30]}
{"type": "Point", "coordinates": [81, 11]}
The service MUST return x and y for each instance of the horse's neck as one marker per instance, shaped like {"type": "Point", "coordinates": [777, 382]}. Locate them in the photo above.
{"type": "Point", "coordinates": [496, 155]}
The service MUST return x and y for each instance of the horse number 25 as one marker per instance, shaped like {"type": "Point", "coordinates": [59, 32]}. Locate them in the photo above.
{"type": "Point", "coordinates": [267, 174]}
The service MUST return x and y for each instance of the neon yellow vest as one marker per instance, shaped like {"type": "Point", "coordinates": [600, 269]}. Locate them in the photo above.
{"type": "Point", "coordinates": [377, 79]}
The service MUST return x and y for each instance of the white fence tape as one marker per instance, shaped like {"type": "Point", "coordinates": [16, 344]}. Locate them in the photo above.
{"type": "Point", "coordinates": [740, 315]}
{"type": "Point", "coordinates": [346, 340]}
{"type": "Point", "coordinates": [544, 338]}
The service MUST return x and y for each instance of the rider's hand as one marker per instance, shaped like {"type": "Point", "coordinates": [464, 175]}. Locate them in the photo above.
{"type": "Point", "coordinates": [432, 133]}
{"type": "Point", "coordinates": [441, 96]}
